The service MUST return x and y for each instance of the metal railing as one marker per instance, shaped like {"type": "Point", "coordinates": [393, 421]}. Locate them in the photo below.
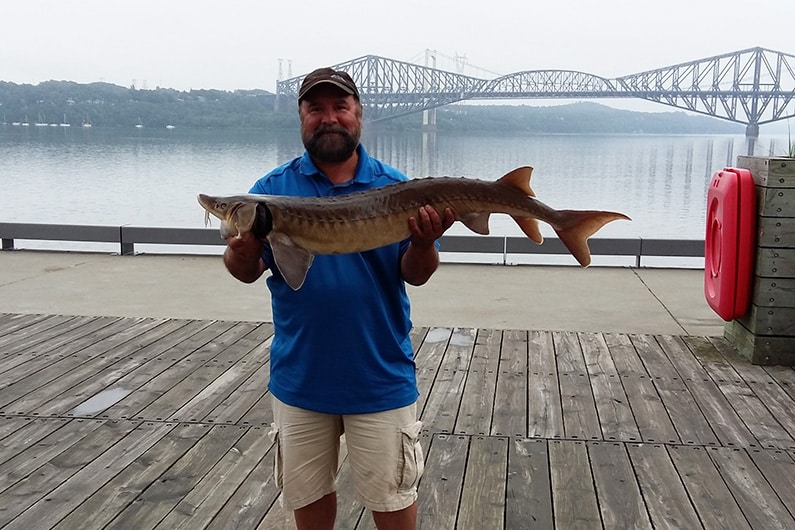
{"type": "Point", "coordinates": [128, 236]}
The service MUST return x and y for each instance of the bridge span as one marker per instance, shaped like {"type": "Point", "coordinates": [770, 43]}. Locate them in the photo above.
{"type": "Point", "coordinates": [752, 86]}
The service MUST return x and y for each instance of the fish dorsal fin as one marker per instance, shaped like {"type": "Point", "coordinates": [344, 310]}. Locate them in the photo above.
{"type": "Point", "coordinates": [477, 222]}
{"type": "Point", "coordinates": [519, 178]}
{"type": "Point", "coordinates": [292, 260]}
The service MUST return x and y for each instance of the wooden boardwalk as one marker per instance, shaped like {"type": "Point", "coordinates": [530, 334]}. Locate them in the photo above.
{"type": "Point", "coordinates": [128, 423]}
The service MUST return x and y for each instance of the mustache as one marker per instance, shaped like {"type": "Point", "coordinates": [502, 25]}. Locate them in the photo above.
{"type": "Point", "coordinates": [337, 129]}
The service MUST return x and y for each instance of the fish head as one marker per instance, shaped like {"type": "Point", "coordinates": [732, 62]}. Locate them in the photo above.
{"type": "Point", "coordinates": [236, 214]}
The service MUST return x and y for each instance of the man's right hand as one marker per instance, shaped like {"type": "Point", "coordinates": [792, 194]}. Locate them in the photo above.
{"type": "Point", "coordinates": [243, 257]}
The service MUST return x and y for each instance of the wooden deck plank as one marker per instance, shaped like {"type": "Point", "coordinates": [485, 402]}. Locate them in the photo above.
{"type": "Point", "coordinates": [483, 495]}
{"type": "Point", "coordinates": [428, 358]}
{"type": "Point", "coordinates": [123, 489]}
{"type": "Point", "coordinates": [42, 354]}
{"type": "Point", "coordinates": [654, 424]}
{"type": "Point", "coordinates": [666, 498]}
{"type": "Point", "coordinates": [774, 395]}
{"type": "Point", "coordinates": [616, 420]}
{"type": "Point", "coordinates": [173, 388]}
{"type": "Point", "coordinates": [778, 468]}
{"type": "Point", "coordinates": [74, 370]}
{"type": "Point", "coordinates": [544, 408]}
{"type": "Point", "coordinates": [581, 421]}
{"type": "Point", "coordinates": [620, 502]}
{"type": "Point", "coordinates": [510, 396]}
{"type": "Point", "coordinates": [11, 424]}
{"type": "Point", "coordinates": [691, 424]}
{"type": "Point", "coordinates": [784, 376]}
{"type": "Point", "coordinates": [438, 415]}
{"type": "Point", "coordinates": [38, 332]}
{"type": "Point", "coordinates": [12, 323]}
{"type": "Point", "coordinates": [528, 492]}
{"type": "Point", "coordinates": [99, 373]}
{"type": "Point", "coordinates": [442, 483]}
{"type": "Point", "coordinates": [477, 400]}
{"type": "Point", "coordinates": [18, 498]}
{"type": "Point", "coordinates": [573, 495]}
{"type": "Point", "coordinates": [670, 353]}
{"type": "Point", "coordinates": [759, 503]}
{"type": "Point", "coordinates": [22, 457]}
{"type": "Point", "coordinates": [198, 508]}
{"type": "Point", "coordinates": [156, 501]}
{"type": "Point", "coordinates": [234, 408]}
{"type": "Point", "coordinates": [180, 361]}
{"type": "Point", "coordinates": [21, 395]}
{"type": "Point", "coordinates": [63, 499]}
{"type": "Point", "coordinates": [251, 501]}
{"type": "Point", "coordinates": [221, 385]}
{"type": "Point", "coordinates": [757, 418]}
{"type": "Point", "coordinates": [711, 497]}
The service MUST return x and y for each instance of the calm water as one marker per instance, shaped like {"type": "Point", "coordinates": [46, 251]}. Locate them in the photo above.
{"type": "Point", "coordinates": [151, 177]}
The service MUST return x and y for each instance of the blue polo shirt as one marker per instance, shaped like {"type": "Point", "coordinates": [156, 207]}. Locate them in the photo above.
{"type": "Point", "coordinates": [341, 342]}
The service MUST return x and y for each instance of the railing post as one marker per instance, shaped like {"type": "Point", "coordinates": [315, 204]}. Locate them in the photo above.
{"type": "Point", "coordinates": [640, 253]}
{"type": "Point", "coordinates": [125, 248]}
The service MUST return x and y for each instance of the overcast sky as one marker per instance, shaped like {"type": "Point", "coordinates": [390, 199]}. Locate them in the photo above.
{"type": "Point", "coordinates": [231, 44]}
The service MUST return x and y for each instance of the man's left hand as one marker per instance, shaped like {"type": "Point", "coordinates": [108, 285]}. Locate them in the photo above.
{"type": "Point", "coordinates": [429, 226]}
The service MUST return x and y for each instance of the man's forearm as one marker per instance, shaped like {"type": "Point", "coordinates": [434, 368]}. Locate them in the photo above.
{"type": "Point", "coordinates": [419, 263]}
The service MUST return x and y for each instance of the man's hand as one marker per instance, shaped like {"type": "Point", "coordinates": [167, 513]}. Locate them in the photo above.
{"type": "Point", "coordinates": [428, 226]}
{"type": "Point", "coordinates": [243, 257]}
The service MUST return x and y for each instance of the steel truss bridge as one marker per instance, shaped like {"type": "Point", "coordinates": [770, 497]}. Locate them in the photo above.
{"type": "Point", "coordinates": [753, 86]}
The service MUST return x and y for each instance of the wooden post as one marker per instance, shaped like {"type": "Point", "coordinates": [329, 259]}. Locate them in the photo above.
{"type": "Point", "coordinates": [766, 334]}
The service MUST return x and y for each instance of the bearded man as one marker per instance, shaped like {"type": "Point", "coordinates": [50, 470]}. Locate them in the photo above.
{"type": "Point", "coordinates": [341, 356]}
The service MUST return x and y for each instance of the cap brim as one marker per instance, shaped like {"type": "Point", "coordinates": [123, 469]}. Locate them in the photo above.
{"type": "Point", "coordinates": [309, 88]}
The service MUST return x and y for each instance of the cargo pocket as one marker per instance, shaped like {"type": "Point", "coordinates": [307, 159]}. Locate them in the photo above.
{"type": "Point", "coordinates": [412, 462]}
{"type": "Point", "coordinates": [278, 466]}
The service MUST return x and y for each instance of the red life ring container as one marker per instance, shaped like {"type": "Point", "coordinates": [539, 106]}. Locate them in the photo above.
{"type": "Point", "coordinates": [729, 246]}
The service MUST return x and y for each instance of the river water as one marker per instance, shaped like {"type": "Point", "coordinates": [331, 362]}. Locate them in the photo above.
{"type": "Point", "coordinates": [147, 177]}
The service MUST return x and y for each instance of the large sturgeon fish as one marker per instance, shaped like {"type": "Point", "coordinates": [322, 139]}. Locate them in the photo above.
{"type": "Point", "coordinates": [297, 228]}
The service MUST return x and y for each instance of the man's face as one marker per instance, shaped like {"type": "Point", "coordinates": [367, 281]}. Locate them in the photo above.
{"type": "Point", "coordinates": [331, 124]}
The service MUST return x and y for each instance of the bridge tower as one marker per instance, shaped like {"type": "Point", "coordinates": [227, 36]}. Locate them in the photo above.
{"type": "Point", "coordinates": [429, 116]}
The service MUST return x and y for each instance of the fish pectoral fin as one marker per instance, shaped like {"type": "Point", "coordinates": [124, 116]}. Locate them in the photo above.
{"type": "Point", "coordinates": [477, 222]}
{"type": "Point", "coordinates": [529, 226]}
{"type": "Point", "coordinates": [292, 260]}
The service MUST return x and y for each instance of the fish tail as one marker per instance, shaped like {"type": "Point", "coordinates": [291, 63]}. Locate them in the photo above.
{"type": "Point", "coordinates": [581, 225]}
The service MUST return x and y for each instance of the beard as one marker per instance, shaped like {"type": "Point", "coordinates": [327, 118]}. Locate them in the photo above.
{"type": "Point", "coordinates": [331, 144]}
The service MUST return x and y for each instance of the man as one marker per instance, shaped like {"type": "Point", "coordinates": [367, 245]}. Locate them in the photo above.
{"type": "Point", "coordinates": [341, 357]}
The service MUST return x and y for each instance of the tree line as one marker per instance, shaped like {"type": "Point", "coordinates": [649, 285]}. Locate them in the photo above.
{"type": "Point", "coordinates": [109, 105]}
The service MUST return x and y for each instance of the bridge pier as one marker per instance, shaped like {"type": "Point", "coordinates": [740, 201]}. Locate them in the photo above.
{"type": "Point", "coordinates": [751, 137]}
{"type": "Point", "coordinates": [429, 120]}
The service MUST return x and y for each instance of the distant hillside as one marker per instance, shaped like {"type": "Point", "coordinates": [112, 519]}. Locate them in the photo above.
{"type": "Point", "coordinates": [108, 105]}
